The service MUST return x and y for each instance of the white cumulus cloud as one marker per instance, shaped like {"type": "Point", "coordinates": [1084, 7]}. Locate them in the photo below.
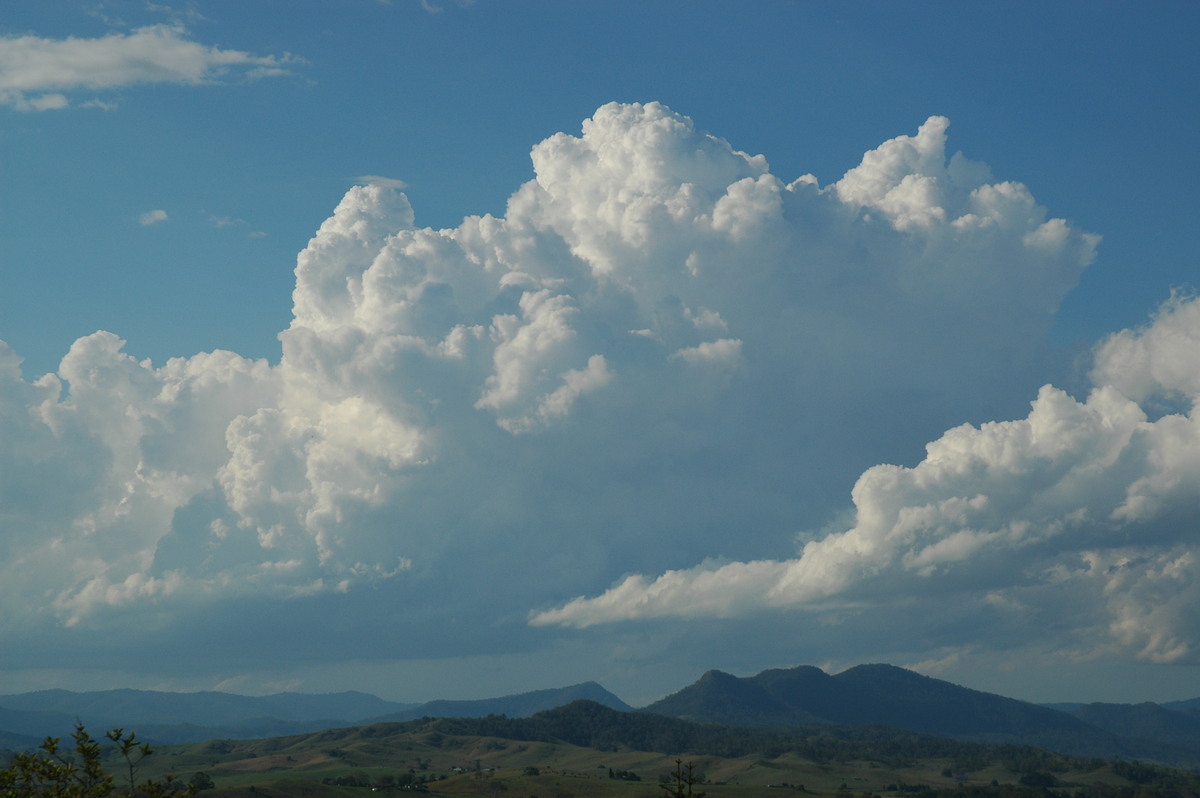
{"type": "Point", "coordinates": [1086, 497]}
{"type": "Point", "coordinates": [660, 348]}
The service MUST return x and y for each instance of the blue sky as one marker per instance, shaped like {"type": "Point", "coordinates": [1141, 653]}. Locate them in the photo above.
{"type": "Point", "coordinates": [685, 390]}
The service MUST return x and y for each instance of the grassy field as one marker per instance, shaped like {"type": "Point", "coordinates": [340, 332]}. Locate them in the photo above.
{"type": "Point", "coordinates": [486, 767]}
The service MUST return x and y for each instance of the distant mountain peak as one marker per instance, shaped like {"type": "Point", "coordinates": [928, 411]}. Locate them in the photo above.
{"type": "Point", "coordinates": [874, 693]}
{"type": "Point", "coordinates": [716, 676]}
{"type": "Point", "coordinates": [520, 705]}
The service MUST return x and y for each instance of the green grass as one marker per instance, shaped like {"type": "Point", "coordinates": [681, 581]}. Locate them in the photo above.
{"type": "Point", "coordinates": [487, 767]}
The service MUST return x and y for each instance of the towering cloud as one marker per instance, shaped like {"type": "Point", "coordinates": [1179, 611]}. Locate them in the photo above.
{"type": "Point", "coordinates": [661, 352]}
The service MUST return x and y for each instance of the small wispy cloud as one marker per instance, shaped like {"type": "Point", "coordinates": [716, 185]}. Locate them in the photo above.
{"type": "Point", "coordinates": [434, 8]}
{"type": "Point", "coordinates": [189, 14]}
{"type": "Point", "coordinates": [223, 221]}
{"type": "Point", "coordinates": [379, 180]}
{"type": "Point", "coordinates": [36, 72]}
{"type": "Point", "coordinates": [232, 221]}
{"type": "Point", "coordinates": [45, 102]}
{"type": "Point", "coordinates": [152, 217]}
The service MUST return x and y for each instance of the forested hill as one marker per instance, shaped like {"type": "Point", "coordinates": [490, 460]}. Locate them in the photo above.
{"type": "Point", "coordinates": [881, 694]}
{"type": "Point", "coordinates": [521, 705]}
{"type": "Point", "coordinates": [805, 697]}
{"type": "Point", "coordinates": [890, 696]}
{"type": "Point", "coordinates": [591, 725]}
{"type": "Point", "coordinates": [564, 752]}
{"type": "Point", "coordinates": [1146, 721]}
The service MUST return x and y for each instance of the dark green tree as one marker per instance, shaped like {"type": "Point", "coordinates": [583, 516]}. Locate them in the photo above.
{"type": "Point", "coordinates": [201, 781]}
{"type": "Point", "coordinates": [681, 781]}
{"type": "Point", "coordinates": [52, 771]}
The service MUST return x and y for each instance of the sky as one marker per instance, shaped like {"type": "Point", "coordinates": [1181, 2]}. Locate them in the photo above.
{"type": "Point", "coordinates": [447, 349]}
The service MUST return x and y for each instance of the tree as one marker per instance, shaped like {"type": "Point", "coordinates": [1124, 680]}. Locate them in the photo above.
{"type": "Point", "coordinates": [201, 781]}
{"type": "Point", "coordinates": [679, 783]}
{"type": "Point", "coordinates": [52, 771]}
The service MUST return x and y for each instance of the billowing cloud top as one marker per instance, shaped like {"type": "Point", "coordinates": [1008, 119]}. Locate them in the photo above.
{"type": "Point", "coordinates": [661, 352]}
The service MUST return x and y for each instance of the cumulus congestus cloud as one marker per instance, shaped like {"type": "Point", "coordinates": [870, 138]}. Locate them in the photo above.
{"type": "Point", "coordinates": [1086, 504]}
{"type": "Point", "coordinates": [661, 352]}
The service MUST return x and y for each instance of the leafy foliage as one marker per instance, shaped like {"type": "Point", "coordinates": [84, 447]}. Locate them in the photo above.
{"type": "Point", "coordinates": [52, 771]}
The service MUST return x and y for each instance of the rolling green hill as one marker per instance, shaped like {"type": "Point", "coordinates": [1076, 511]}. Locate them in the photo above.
{"type": "Point", "coordinates": [778, 701]}
{"type": "Point", "coordinates": [585, 750]}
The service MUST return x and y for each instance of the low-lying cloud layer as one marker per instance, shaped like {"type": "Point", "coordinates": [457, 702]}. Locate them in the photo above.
{"type": "Point", "coordinates": [661, 354]}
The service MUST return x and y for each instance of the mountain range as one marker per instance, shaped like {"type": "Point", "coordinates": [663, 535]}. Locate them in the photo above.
{"type": "Point", "coordinates": [886, 695]}
{"type": "Point", "coordinates": [805, 696]}
{"type": "Point", "coordinates": [172, 718]}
